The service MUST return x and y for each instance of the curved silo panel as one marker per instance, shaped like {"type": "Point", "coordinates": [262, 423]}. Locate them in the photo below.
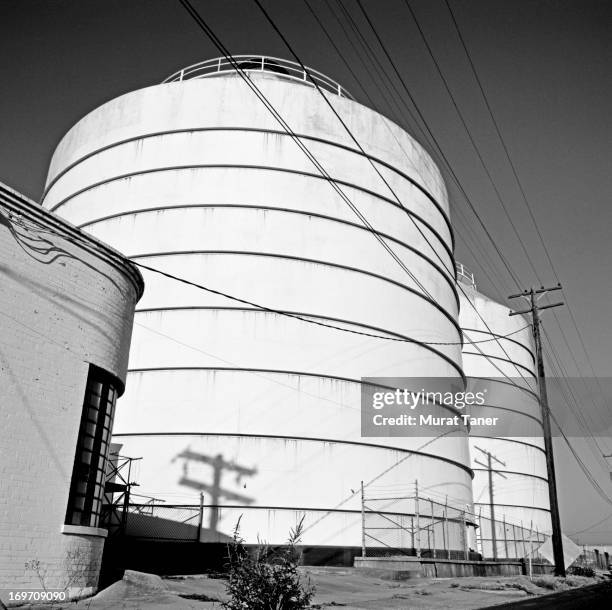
{"type": "Point", "coordinates": [260, 410]}
{"type": "Point", "coordinates": [503, 354]}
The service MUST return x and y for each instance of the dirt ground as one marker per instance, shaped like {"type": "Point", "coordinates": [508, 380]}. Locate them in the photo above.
{"type": "Point", "coordinates": [343, 588]}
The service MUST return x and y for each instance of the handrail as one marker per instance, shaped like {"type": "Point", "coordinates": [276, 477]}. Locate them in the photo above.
{"type": "Point", "coordinates": [465, 274]}
{"type": "Point", "coordinates": [259, 63]}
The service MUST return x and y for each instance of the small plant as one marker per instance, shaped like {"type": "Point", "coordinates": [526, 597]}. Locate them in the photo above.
{"type": "Point", "coordinates": [77, 567]}
{"type": "Point", "coordinates": [264, 579]}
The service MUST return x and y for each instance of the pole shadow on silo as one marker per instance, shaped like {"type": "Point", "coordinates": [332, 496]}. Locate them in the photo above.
{"type": "Point", "coordinates": [215, 491]}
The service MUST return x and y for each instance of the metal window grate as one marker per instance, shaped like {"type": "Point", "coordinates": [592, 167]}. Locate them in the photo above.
{"type": "Point", "coordinates": [88, 474]}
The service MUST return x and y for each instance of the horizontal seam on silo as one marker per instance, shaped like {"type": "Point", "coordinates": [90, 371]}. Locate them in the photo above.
{"type": "Point", "coordinates": [516, 472]}
{"type": "Point", "coordinates": [522, 413]}
{"type": "Point", "coordinates": [530, 506]}
{"type": "Point", "coordinates": [235, 166]}
{"type": "Point", "coordinates": [498, 336]}
{"type": "Point", "coordinates": [255, 130]}
{"type": "Point", "coordinates": [447, 273]}
{"type": "Point", "coordinates": [515, 364]}
{"type": "Point", "coordinates": [295, 313]}
{"type": "Point", "coordinates": [154, 369]}
{"type": "Point", "coordinates": [310, 439]}
{"type": "Point", "coordinates": [410, 340]}
{"type": "Point", "coordinates": [503, 380]}
{"type": "Point", "coordinates": [314, 262]}
{"type": "Point", "coordinates": [513, 440]}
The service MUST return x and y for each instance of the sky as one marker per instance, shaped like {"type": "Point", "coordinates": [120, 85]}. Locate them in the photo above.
{"type": "Point", "coordinates": [544, 66]}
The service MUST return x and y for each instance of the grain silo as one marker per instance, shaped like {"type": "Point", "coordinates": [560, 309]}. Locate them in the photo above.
{"type": "Point", "coordinates": [259, 410]}
{"type": "Point", "coordinates": [498, 354]}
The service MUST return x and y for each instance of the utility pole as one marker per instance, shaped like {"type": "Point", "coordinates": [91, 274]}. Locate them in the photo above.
{"type": "Point", "coordinates": [489, 466]}
{"type": "Point", "coordinates": [418, 518]}
{"type": "Point", "coordinates": [363, 523]}
{"type": "Point", "coordinates": [534, 309]}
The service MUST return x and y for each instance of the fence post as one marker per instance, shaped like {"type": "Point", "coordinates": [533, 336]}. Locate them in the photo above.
{"type": "Point", "coordinates": [418, 520]}
{"type": "Point", "coordinates": [505, 537]}
{"type": "Point", "coordinates": [200, 517]}
{"type": "Point", "coordinates": [465, 536]}
{"type": "Point", "coordinates": [445, 529]}
{"type": "Point", "coordinates": [444, 524]}
{"type": "Point", "coordinates": [433, 530]}
{"type": "Point", "coordinates": [482, 546]}
{"type": "Point", "coordinates": [530, 549]}
{"type": "Point", "coordinates": [523, 539]}
{"type": "Point", "coordinates": [514, 541]}
{"type": "Point", "coordinates": [363, 524]}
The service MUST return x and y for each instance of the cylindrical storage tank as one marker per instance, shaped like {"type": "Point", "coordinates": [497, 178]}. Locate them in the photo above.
{"type": "Point", "coordinates": [499, 355]}
{"type": "Point", "coordinates": [258, 410]}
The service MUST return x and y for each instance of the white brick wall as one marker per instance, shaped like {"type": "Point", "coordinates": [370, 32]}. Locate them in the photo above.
{"type": "Point", "coordinates": [56, 317]}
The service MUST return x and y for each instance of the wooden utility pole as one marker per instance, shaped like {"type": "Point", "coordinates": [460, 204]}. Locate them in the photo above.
{"type": "Point", "coordinates": [489, 466]}
{"type": "Point", "coordinates": [532, 296]}
{"type": "Point", "coordinates": [363, 523]}
{"type": "Point", "coordinates": [418, 518]}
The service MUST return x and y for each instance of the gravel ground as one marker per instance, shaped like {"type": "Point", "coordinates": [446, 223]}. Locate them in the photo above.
{"type": "Point", "coordinates": [335, 588]}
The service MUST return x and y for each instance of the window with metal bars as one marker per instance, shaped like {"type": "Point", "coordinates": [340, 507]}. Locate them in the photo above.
{"type": "Point", "coordinates": [88, 474]}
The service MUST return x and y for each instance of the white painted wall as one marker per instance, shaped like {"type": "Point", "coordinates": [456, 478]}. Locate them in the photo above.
{"type": "Point", "coordinates": [63, 307]}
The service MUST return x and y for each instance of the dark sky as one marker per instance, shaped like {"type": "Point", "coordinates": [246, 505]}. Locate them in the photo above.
{"type": "Point", "coordinates": [545, 66]}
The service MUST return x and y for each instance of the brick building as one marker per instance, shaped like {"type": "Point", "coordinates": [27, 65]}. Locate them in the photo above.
{"type": "Point", "coordinates": [66, 313]}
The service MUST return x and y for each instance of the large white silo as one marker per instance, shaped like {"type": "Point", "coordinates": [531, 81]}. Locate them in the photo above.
{"type": "Point", "coordinates": [499, 348]}
{"type": "Point", "coordinates": [260, 410]}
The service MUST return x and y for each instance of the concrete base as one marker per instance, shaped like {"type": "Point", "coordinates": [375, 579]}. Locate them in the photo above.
{"type": "Point", "coordinates": [405, 567]}
{"type": "Point", "coordinates": [390, 568]}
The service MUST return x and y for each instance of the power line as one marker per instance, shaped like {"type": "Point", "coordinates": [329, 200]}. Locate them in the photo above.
{"type": "Point", "coordinates": [401, 339]}
{"type": "Point", "coordinates": [430, 132]}
{"type": "Point", "coordinates": [316, 322]}
{"type": "Point", "coordinates": [501, 138]}
{"type": "Point", "coordinates": [447, 163]}
{"type": "Point", "coordinates": [388, 83]}
{"type": "Point", "coordinates": [470, 137]}
{"type": "Point", "coordinates": [335, 112]}
{"type": "Point", "coordinates": [525, 199]}
{"type": "Point", "coordinates": [477, 259]}
{"type": "Point", "coordinates": [392, 95]}
{"type": "Point", "coordinates": [580, 462]}
{"type": "Point", "coordinates": [590, 527]}
{"type": "Point", "coordinates": [217, 42]}
{"type": "Point", "coordinates": [351, 135]}
{"type": "Point", "coordinates": [578, 412]}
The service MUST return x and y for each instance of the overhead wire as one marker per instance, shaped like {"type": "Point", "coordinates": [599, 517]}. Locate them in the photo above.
{"type": "Point", "coordinates": [597, 487]}
{"type": "Point", "coordinates": [571, 400]}
{"type": "Point", "coordinates": [357, 143]}
{"type": "Point", "coordinates": [525, 199]}
{"type": "Point", "coordinates": [310, 321]}
{"type": "Point", "coordinates": [221, 47]}
{"type": "Point", "coordinates": [399, 76]}
{"type": "Point", "coordinates": [576, 456]}
{"type": "Point", "coordinates": [299, 317]}
{"type": "Point", "coordinates": [478, 260]}
{"type": "Point", "coordinates": [469, 134]}
{"type": "Point", "coordinates": [447, 164]}
{"type": "Point", "coordinates": [580, 412]}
